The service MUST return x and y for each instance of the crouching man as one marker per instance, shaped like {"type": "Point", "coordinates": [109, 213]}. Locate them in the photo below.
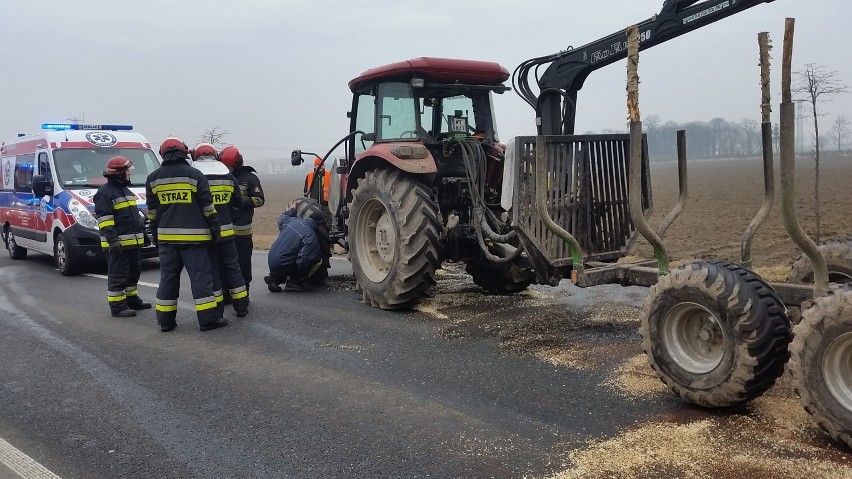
{"type": "Point", "coordinates": [296, 254]}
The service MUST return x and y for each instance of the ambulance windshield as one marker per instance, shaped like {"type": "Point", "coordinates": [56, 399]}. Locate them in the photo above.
{"type": "Point", "coordinates": [83, 167]}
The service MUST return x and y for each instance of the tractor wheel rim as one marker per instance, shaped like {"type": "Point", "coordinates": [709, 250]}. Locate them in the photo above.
{"type": "Point", "coordinates": [693, 337]}
{"type": "Point", "coordinates": [376, 241]}
{"type": "Point", "coordinates": [836, 371]}
{"type": "Point", "coordinates": [60, 255]}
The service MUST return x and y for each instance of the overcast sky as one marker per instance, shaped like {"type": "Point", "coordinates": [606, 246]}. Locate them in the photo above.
{"type": "Point", "coordinates": [275, 72]}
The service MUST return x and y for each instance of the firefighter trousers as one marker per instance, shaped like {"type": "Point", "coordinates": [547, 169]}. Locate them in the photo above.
{"type": "Point", "coordinates": [245, 246]}
{"type": "Point", "coordinates": [196, 259]}
{"type": "Point", "coordinates": [227, 277]}
{"type": "Point", "coordinates": [123, 271]}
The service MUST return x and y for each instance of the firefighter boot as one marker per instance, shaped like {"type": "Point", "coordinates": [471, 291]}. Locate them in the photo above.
{"type": "Point", "coordinates": [136, 304]}
{"type": "Point", "coordinates": [271, 284]}
{"type": "Point", "coordinates": [123, 313]}
{"type": "Point", "coordinates": [241, 306]}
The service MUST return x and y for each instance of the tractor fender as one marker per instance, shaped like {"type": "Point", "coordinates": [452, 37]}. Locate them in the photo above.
{"type": "Point", "coordinates": [410, 157]}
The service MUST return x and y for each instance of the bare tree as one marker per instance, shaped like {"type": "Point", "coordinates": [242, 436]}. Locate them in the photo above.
{"type": "Point", "coordinates": [751, 130]}
{"type": "Point", "coordinates": [840, 130]}
{"type": "Point", "coordinates": [817, 84]}
{"type": "Point", "coordinates": [213, 135]}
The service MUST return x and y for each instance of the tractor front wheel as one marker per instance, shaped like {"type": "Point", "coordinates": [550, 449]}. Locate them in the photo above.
{"type": "Point", "coordinates": [394, 239]}
{"type": "Point", "coordinates": [820, 363]}
{"type": "Point", "coordinates": [715, 333]}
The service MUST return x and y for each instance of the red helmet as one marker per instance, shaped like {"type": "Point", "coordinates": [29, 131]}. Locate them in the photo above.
{"type": "Point", "coordinates": [173, 143]}
{"type": "Point", "coordinates": [204, 149]}
{"type": "Point", "coordinates": [230, 155]}
{"type": "Point", "coordinates": [117, 165]}
{"type": "Point", "coordinates": [317, 161]}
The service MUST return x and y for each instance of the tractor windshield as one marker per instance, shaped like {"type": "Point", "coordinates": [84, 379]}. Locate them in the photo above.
{"type": "Point", "coordinates": [394, 111]}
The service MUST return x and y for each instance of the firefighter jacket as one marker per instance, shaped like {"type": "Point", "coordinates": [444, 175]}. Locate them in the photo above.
{"type": "Point", "coordinates": [297, 244]}
{"type": "Point", "coordinates": [252, 195]}
{"type": "Point", "coordinates": [118, 218]}
{"type": "Point", "coordinates": [226, 197]}
{"type": "Point", "coordinates": [180, 205]}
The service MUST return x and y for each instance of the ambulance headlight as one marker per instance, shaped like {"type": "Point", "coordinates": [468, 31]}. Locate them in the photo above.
{"type": "Point", "coordinates": [82, 215]}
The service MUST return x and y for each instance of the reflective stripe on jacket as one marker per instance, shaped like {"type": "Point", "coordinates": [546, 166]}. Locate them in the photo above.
{"type": "Point", "coordinates": [117, 215]}
{"type": "Point", "coordinates": [180, 205]}
{"type": "Point", "coordinates": [252, 195]}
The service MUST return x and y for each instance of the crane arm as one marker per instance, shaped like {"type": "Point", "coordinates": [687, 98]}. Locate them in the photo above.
{"type": "Point", "coordinates": [555, 104]}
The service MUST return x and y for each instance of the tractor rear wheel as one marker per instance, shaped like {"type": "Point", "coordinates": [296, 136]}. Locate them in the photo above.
{"type": "Point", "coordinates": [394, 239]}
{"type": "Point", "coordinates": [838, 258]}
{"type": "Point", "coordinates": [821, 355]}
{"type": "Point", "coordinates": [715, 333]}
{"type": "Point", "coordinates": [503, 278]}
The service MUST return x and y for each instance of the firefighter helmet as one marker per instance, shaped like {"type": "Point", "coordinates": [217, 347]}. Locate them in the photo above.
{"type": "Point", "coordinates": [204, 149]}
{"type": "Point", "coordinates": [173, 143]}
{"type": "Point", "coordinates": [231, 156]}
{"type": "Point", "coordinates": [117, 165]}
{"type": "Point", "coordinates": [317, 161]}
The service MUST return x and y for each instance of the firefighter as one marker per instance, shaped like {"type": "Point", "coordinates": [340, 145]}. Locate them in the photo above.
{"type": "Point", "coordinates": [296, 254]}
{"type": "Point", "coordinates": [252, 197]}
{"type": "Point", "coordinates": [184, 222]}
{"type": "Point", "coordinates": [223, 255]}
{"type": "Point", "coordinates": [322, 183]}
{"type": "Point", "coordinates": [122, 234]}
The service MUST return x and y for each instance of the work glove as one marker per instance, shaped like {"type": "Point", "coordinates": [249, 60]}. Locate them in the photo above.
{"type": "Point", "coordinates": [115, 246]}
{"type": "Point", "coordinates": [146, 240]}
{"type": "Point", "coordinates": [216, 235]}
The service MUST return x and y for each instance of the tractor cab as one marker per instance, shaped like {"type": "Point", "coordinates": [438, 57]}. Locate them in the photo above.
{"type": "Point", "coordinates": [427, 101]}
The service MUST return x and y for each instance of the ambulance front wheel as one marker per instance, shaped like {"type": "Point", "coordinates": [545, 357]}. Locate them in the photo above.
{"type": "Point", "coordinates": [15, 251]}
{"type": "Point", "coordinates": [65, 262]}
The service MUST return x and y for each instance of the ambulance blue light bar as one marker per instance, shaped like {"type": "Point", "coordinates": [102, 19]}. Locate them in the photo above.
{"type": "Point", "coordinates": [75, 126]}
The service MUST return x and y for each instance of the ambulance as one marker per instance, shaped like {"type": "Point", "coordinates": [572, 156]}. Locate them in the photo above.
{"type": "Point", "coordinates": [47, 182]}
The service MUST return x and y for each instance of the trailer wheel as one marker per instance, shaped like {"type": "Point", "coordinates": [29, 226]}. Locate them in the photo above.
{"type": "Point", "coordinates": [821, 363]}
{"type": "Point", "coordinates": [15, 251]}
{"type": "Point", "coordinates": [504, 278]}
{"type": "Point", "coordinates": [715, 333]}
{"type": "Point", "coordinates": [394, 240]}
{"type": "Point", "coordinates": [838, 258]}
{"type": "Point", "coordinates": [65, 262]}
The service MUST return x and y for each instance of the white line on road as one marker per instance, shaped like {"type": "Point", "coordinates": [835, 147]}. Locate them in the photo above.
{"type": "Point", "coordinates": [21, 464]}
{"type": "Point", "coordinates": [103, 276]}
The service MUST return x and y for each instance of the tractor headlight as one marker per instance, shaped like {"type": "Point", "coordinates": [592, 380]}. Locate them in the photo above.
{"type": "Point", "coordinates": [82, 215]}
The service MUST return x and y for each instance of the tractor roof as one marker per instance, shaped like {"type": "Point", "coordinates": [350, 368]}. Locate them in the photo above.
{"type": "Point", "coordinates": [439, 70]}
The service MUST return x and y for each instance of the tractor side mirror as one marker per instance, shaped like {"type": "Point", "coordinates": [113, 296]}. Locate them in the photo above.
{"type": "Point", "coordinates": [42, 186]}
{"type": "Point", "coordinates": [296, 158]}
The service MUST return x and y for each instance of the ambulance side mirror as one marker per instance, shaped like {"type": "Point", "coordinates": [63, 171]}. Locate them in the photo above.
{"type": "Point", "coordinates": [296, 158]}
{"type": "Point", "coordinates": [42, 186]}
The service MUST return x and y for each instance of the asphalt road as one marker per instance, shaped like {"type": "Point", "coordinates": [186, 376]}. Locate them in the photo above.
{"type": "Point", "coordinates": [308, 385]}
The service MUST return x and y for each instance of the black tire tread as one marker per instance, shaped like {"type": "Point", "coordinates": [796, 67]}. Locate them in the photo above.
{"type": "Point", "coordinates": [808, 340]}
{"type": "Point", "coordinates": [761, 325]}
{"type": "Point", "coordinates": [419, 240]}
{"type": "Point", "coordinates": [838, 257]}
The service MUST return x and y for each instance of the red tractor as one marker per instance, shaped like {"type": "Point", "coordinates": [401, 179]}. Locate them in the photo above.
{"type": "Point", "coordinates": [425, 183]}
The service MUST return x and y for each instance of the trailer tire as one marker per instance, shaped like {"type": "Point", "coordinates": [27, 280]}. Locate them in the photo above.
{"type": "Point", "coordinates": [15, 251]}
{"type": "Point", "coordinates": [394, 239]}
{"type": "Point", "coordinates": [838, 258]}
{"type": "Point", "coordinates": [503, 278]}
{"type": "Point", "coordinates": [65, 262]}
{"type": "Point", "coordinates": [821, 354]}
{"type": "Point", "coordinates": [715, 333]}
